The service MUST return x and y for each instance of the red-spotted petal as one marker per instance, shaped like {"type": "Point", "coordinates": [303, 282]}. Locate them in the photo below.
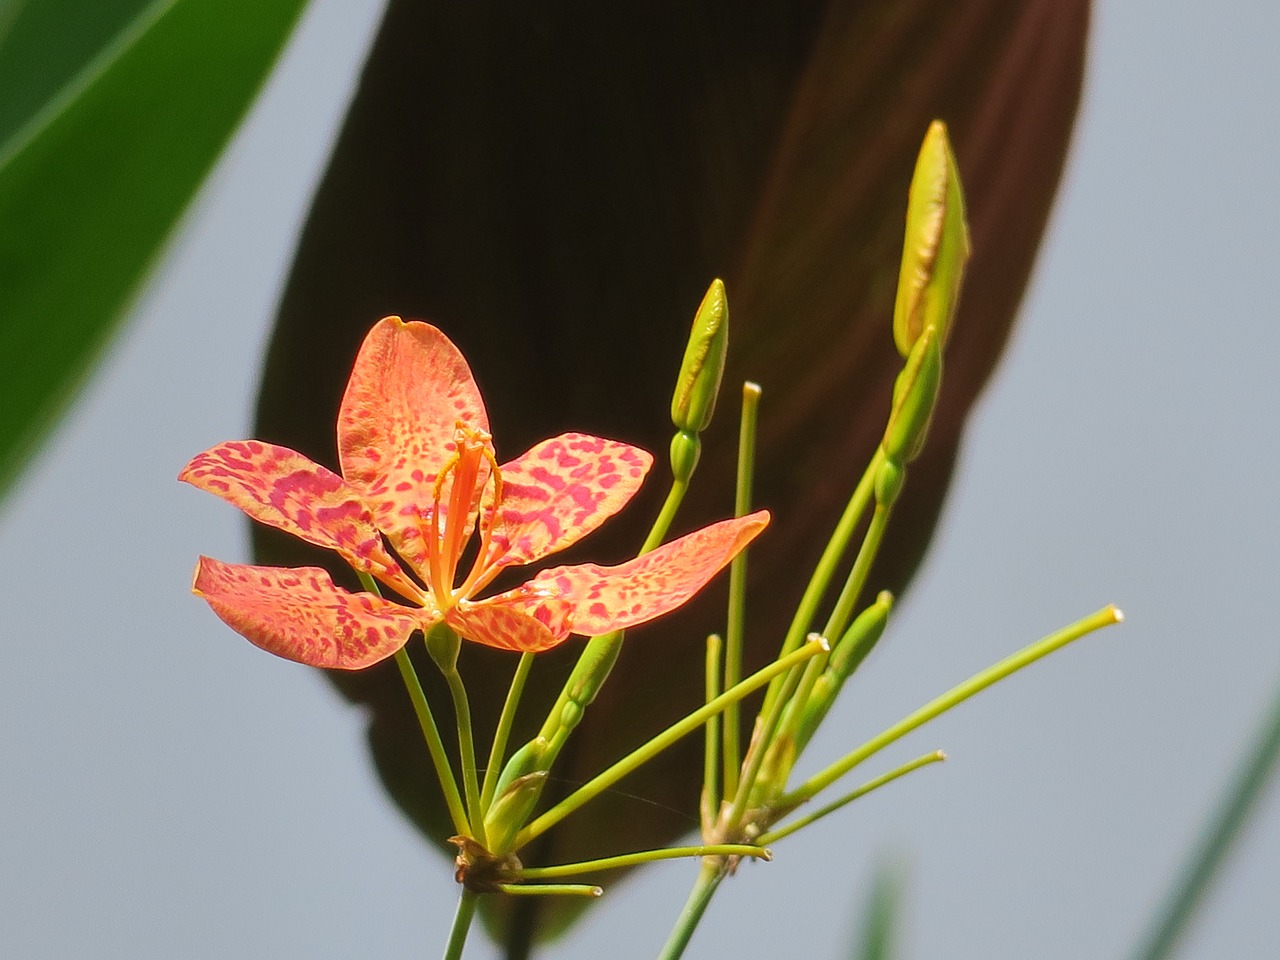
{"type": "Point", "coordinates": [409, 389]}
{"type": "Point", "coordinates": [559, 492]}
{"type": "Point", "coordinates": [497, 623]}
{"type": "Point", "coordinates": [281, 487]}
{"type": "Point", "coordinates": [613, 598]}
{"type": "Point", "coordinates": [301, 615]}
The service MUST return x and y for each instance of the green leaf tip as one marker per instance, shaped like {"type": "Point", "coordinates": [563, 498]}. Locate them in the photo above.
{"type": "Point", "coordinates": [936, 245]}
{"type": "Point", "coordinates": [694, 400]}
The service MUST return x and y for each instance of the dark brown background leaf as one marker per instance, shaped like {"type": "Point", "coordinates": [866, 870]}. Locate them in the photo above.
{"type": "Point", "coordinates": [554, 185]}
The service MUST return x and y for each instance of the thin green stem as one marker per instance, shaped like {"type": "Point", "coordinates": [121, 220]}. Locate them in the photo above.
{"type": "Point", "coordinates": [427, 723]}
{"type": "Point", "coordinates": [1243, 794]}
{"type": "Point", "coordinates": [842, 612]}
{"type": "Point", "coordinates": [461, 925]}
{"type": "Point", "coordinates": [755, 851]}
{"type": "Point", "coordinates": [658, 532]}
{"type": "Point", "coordinates": [503, 732]}
{"type": "Point", "coordinates": [709, 877]}
{"type": "Point", "coordinates": [956, 695]}
{"type": "Point", "coordinates": [761, 741]}
{"type": "Point", "coordinates": [829, 562]}
{"type": "Point", "coordinates": [467, 751]}
{"type": "Point", "coordinates": [656, 745]}
{"type": "Point", "coordinates": [549, 889]}
{"type": "Point", "coordinates": [735, 625]}
{"type": "Point", "coordinates": [711, 748]}
{"type": "Point", "coordinates": [773, 836]}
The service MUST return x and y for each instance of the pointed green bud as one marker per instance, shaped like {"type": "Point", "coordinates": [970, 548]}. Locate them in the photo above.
{"type": "Point", "coordinates": [915, 393]}
{"type": "Point", "coordinates": [857, 642]}
{"type": "Point", "coordinates": [511, 810]}
{"type": "Point", "coordinates": [695, 398]}
{"type": "Point", "coordinates": [936, 246]}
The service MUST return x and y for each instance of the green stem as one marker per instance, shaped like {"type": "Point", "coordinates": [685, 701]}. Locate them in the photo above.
{"type": "Point", "coordinates": [761, 740]}
{"type": "Point", "coordinates": [711, 748]}
{"type": "Point", "coordinates": [427, 722]}
{"type": "Point", "coordinates": [467, 751]}
{"type": "Point", "coordinates": [829, 562]}
{"type": "Point", "coordinates": [549, 889]}
{"type": "Point", "coordinates": [773, 836]}
{"type": "Point", "coordinates": [709, 877]}
{"type": "Point", "coordinates": [444, 772]}
{"type": "Point", "coordinates": [503, 733]}
{"type": "Point", "coordinates": [461, 925]}
{"type": "Point", "coordinates": [1242, 795]}
{"type": "Point", "coordinates": [656, 745]}
{"type": "Point", "coordinates": [735, 625]}
{"type": "Point", "coordinates": [754, 851]}
{"type": "Point", "coordinates": [842, 612]}
{"type": "Point", "coordinates": [956, 695]}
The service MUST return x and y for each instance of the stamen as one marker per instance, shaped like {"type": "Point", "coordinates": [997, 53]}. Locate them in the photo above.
{"type": "Point", "coordinates": [480, 573]}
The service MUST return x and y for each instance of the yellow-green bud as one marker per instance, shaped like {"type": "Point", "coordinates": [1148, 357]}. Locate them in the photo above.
{"type": "Point", "coordinates": [936, 246]}
{"type": "Point", "coordinates": [686, 449]}
{"type": "Point", "coordinates": [888, 484]}
{"type": "Point", "coordinates": [511, 810]}
{"type": "Point", "coordinates": [915, 393]}
{"type": "Point", "coordinates": [695, 396]}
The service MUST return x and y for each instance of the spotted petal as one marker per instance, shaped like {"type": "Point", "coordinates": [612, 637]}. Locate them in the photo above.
{"type": "Point", "coordinates": [560, 491]}
{"type": "Point", "coordinates": [299, 614]}
{"type": "Point", "coordinates": [284, 489]}
{"type": "Point", "coordinates": [497, 623]}
{"type": "Point", "coordinates": [613, 598]}
{"type": "Point", "coordinates": [409, 389]}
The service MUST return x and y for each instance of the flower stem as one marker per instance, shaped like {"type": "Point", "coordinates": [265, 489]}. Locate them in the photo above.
{"type": "Point", "coordinates": [773, 836]}
{"type": "Point", "coordinates": [711, 749]}
{"type": "Point", "coordinates": [709, 877]}
{"type": "Point", "coordinates": [734, 626]}
{"type": "Point", "coordinates": [656, 745]}
{"type": "Point", "coordinates": [503, 732]}
{"type": "Point", "coordinates": [658, 532]}
{"type": "Point", "coordinates": [956, 695]}
{"type": "Point", "coordinates": [461, 924]}
{"type": "Point", "coordinates": [648, 856]}
{"type": "Point", "coordinates": [427, 722]}
{"type": "Point", "coordinates": [828, 562]}
{"type": "Point", "coordinates": [467, 751]}
{"type": "Point", "coordinates": [549, 889]}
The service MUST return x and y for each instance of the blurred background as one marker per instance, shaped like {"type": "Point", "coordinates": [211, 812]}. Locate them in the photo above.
{"type": "Point", "coordinates": [168, 790]}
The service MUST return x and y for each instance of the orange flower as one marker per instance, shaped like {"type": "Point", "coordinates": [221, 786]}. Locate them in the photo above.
{"type": "Point", "coordinates": [418, 467]}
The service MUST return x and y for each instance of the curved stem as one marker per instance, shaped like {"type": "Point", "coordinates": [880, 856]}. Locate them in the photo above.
{"type": "Point", "coordinates": [467, 752]}
{"type": "Point", "coordinates": [709, 877]}
{"type": "Point", "coordinates": [752, 850]}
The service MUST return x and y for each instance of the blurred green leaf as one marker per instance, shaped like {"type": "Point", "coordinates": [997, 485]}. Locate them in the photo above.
{"type": "Point", "coordinates": [1221, 832]}
{"type": "Point", "coordinates": [880, 922]}
{"type": "Point", "coordinates": [112, 112]}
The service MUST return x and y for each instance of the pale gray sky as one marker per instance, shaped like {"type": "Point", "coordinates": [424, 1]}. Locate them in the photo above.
{"type": "Point", "coordinates": [170, 791]}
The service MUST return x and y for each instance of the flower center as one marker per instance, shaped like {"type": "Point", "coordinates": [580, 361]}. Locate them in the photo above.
{"type": "Point", "coordinates": [471, 467]}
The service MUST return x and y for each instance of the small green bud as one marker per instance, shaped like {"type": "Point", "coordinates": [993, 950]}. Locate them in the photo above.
{"type": "Point", "coordinates": [915, 393]}
{"type": "Point", "coordinates": [443, 645]}
{"type": "Point", "coordinates": [686, 450]}
{"type": "Point", "coordinates": [936, 246]}
{"type": "Point", "coordinates": [525, 760]}
{"type": "Point", "coordinates": [889, 480]}
{"type": "Point", "coordinates": [695, 397]}
{"type": "Point", "coordinates": [511, 810]}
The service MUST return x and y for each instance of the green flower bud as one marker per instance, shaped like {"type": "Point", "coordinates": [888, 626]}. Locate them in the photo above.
{"type": "Point", "coordinates": [686, 449]}
{"type": "Point", "coordinates": [695, 397]}
{"type": "Point", "coordinates": [443, 645]}
{"type": "Point", "coordinates": [915, 393]}
{"type": "Point", "coordinates": [511, 810]}
{"type": "Point", "coordinates": [936, 246]}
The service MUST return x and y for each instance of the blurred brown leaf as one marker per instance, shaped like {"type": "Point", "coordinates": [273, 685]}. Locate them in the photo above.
{"type": "Point", "coordinates": [556, 184]}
